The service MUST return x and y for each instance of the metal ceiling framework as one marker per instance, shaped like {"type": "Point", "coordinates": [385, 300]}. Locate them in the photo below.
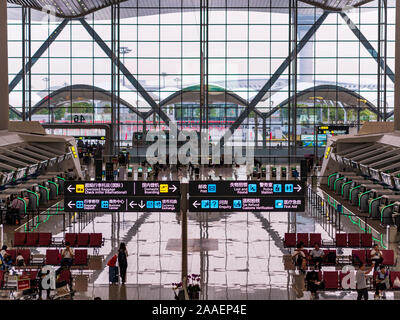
{"type": "Point", "coordinates": [79, 8]}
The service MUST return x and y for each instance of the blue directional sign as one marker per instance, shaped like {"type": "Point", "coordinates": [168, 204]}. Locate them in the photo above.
{"type": "Point", "coordinates": [237, 204]}
{"type": "Point", "coordinates": [79, 204]}
{"type": "Point", "coordinates": [278, 204]}
{"type": "Point", "coordinates": [150, 204]}
{"type": "Point", "coordinates": [212, 188]}
{"type": "Point", "coordinates": [214, 204]}
{"type": "Point", "coordinates": [250, 204]}
{"type": "Point", "coordinates": [205, 204]}
{"type": "Point", "coordinates": [104, 204]}
{"type": "Point", "coordinates": [157, 204]}
{"type": "Point", "coordinates": [247, 188]}
{"type": "Point", "coordinates": [289, 188]}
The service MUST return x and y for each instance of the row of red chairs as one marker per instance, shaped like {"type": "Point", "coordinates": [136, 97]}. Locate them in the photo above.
{"type": "Point", "coordinates": [94, 240]}
{"type": "Point", "coordinates": [325, 259]}
{"type": "Point", "coordinates": [342, 240]}
{"type": "Point", "coordinates": [364, 256]}
{"type": "Point", "coordinates": [53, 257]}
{"type": "Point", "coordinates": [32, 274]}
{"type": "Point", "coordinates": [26, 253]}
{"type": "Point", "coordinates": [308, 239]}
{"type": "Point", "coordinates": [44, 239]}
{"type": "Point", "coordinates": [333, 279]}
{"type": "Point", "coordinates": [353, 240]}
{"type": "Point", "coordinates": [32, 239]}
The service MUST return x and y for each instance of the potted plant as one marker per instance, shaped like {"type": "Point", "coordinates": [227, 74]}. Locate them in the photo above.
{"type": "Point", "coordinates": [194, 286]}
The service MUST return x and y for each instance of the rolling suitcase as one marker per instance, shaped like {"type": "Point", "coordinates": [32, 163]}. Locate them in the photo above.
{"type": "Point", "coordinates": [113, 275]}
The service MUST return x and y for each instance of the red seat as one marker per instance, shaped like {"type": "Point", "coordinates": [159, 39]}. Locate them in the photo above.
{"type": "Point", "coordinates": [19, 239]}
{"type": "Point", "coordinates": [32, 239]}
{"type": "Point", "coordinates": [303, 237]}
{"type": "Point", "coordinates": [326, 252]}
{"type": "Point", "coordinates": [360, 254]}
{"type": "Point", "coordinates": [53, 257]}
{"type": "Point", "coordinates": [395, 279]}
{"type": "Point", "coordinates": [315, 238]}
{"type": "Point", "coordinates": [82, 240]}
{"type": "Point", "coordinates": [95, 240]}
{"type": "Point", "coordinates": [331, 279]}
{"type": "Point", "coordinates": [290, 240]}
{"type": "Point", "coordinates": [12, 253]}
{"type": "Point", "coordinates": [366, 240]}
{"type": "Point", "coordinates": [44, 239]}
{"type": "Point", "coordinates": [65, 275]}
{"type": "Point", "coordinates": [388, 257]}
{"type": "Point", "coordinates": [80, 257]}
{"type": "Point", "coordinates": [341, 240]}
{"type": "Point", "coordinates": [26, 253]}
{"type": "Point", "coordinates": [71, 238]}
{"type": "Point", "coordinates": [353, 240]}
{"type": "Point", "coordinates": [1, 277]}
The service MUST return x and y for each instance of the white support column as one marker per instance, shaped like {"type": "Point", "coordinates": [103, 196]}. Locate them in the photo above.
{"type": "Point", "coordinates": [4, 104]}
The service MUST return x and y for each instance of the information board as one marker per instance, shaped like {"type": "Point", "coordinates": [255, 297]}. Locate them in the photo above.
{"type": "Point", "coordinates": [333, 129]}
{"type": "Point", "coordinates": [230, 196]}
{"type": "Point", "coordinates": [124, 196]}
{"type": "Point", "coordinates": [246, 188]}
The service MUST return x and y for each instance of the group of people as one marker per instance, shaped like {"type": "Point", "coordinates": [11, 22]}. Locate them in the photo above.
{"type": "Point", "coordinates": [6, 261]}
{"type": "Point", "coordinates": [67, 255]}
{"type": "Point", "coordinates": [90, 151]}
{"type": "Point", "coordinates": [317, 256]}
{"type": "Point", "coordinates": [122, 259]}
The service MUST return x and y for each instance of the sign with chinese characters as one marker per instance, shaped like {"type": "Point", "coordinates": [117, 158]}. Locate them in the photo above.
{"type": "Point", "coordinates": [122, 196]}
{"type": "Point", "coordinates": [125, 204]}
{"type": "Point", "coordinates": [234, 204]}
{"type": "Point", "coordinates": [122, 188]}
{"type": "Point", "coordinates": [234, 196]}
{"type": "Point", "coordinates": [333, 129]}
{"type": "Point", "coordinates": [246, 188]}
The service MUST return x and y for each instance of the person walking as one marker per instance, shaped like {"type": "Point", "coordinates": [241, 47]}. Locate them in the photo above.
{"type": "Point", "coordinates": [123, 261]}
{"type": "Point", "coordinates": [361, 283]}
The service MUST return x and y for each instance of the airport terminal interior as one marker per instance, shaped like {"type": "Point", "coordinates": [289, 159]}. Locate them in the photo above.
{"type": "Point", "coordinates": [199, 149]}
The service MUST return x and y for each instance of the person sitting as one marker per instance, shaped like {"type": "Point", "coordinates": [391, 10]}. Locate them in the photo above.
{"type": "Point", "coordinates": [317, 256]}
{"type": "Point", "coordinates": [20, 261]}
{"type": "Point", "coordinates": [313, 283]}
{"type": "Point", "coordinates": [3, 251]}
{"type": "Point", "coordinates": [299, 257]}
{"type": "Point", "coordinates": [376, 257]}
{"type": "Point", "coordinates": [381, 282]}
{"type": "Point", "coordinates": [67, 255]}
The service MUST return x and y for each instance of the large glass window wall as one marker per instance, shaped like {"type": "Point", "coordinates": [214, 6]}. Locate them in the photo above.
{"type": "Point", "coordinates": [202, 65]}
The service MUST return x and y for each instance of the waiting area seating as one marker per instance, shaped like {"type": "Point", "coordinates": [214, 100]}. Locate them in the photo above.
{"type": "Point", "coordinates": [333, 279]}
{"type": "Point", "coordinates": [53, 257]}
{"type": "Point", "coordinates": [308, 239]}
{"type": "Point", "coordinates": [45, 239]}
{"type": "Point", "coordinates": [342, 240]}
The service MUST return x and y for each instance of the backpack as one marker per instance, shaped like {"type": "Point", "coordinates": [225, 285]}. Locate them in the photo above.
{"type": "Point", "coordinates": [113, 261]}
